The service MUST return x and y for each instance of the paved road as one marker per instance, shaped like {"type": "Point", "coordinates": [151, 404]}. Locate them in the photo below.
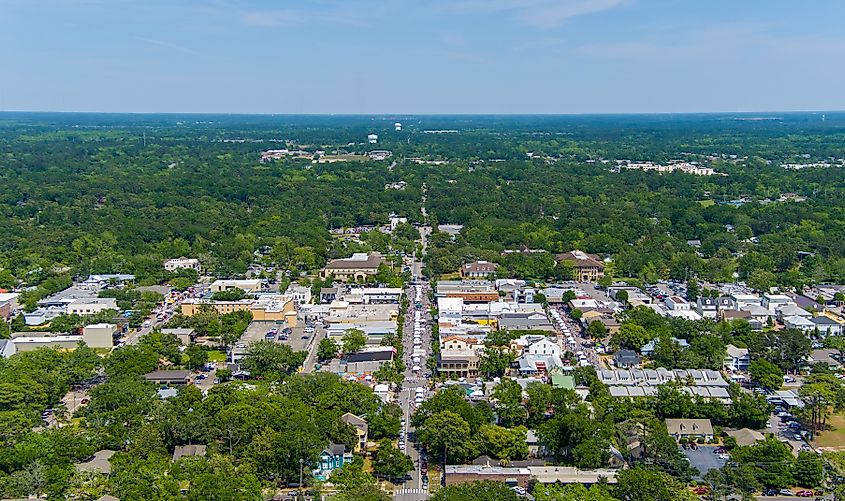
{"type": "Point", "coordinates": [413, 489]}
{"type": "Point", "coordinates": [314, 344]}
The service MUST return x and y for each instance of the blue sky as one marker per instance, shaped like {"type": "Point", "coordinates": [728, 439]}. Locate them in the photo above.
{"type": "Point", "coordinates": [426, 56]}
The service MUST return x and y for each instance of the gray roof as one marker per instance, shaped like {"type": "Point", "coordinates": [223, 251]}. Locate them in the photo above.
{"type": "Point", "coordinates": [188, 450]}
{"type": "Point", "coordinates": [100, 462]}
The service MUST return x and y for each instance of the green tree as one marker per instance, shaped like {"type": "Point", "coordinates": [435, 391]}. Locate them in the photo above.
{"type": "Point", "coordinates": [809, 469]}
{"type": "Point", "coordinates": [762, 280]}
{"type": "Point", "coordinates": [391, 462]}
{"type": "Point", "coordinates": [631, 335]}
{"type": "Point", "coordinates": [639, 484]}
{"type": "Point", "coordinates": [269, 359]}
{"type": "Point", "coordinates": [503, 443]}
{"type": "Point", "coordinates": [197, 356]}
{"type": "Point", "coordinates": [576, 314]}
{"type": "Point", "coordinates": [327, 349]}
{"type": "Point", "coordinates": [596, 330]}
{"type": "Point", "coordinates": [571, 492]}
{"type": "Point", "coordinates": [354, 340]}
{"type": "Point", "coordinates": [766, 374]}
{"type": "Point", "coordinates": [447, 434]}
{"type": "Point", "coordinates": [495, 361]}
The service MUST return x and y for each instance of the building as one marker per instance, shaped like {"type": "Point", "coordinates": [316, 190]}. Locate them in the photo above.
{"type": "Point", "coordinates": [31, 341]}
{"type": "Point", "coordinates": [300, 294]}
{"type": "Point", "coordinates": [7, 348]}
{"type": "Point", "coordinates": [355, 268]}
{"type": "Point", "coordinates": [677, 303]}
{"type": "Point", "coordinates": [361, 430]}
{"type": "Point", "coordinates": [543, 347]}
{"type": "Point", "coordinates": [99, 335]}
{"type": "Point", "coordinates": [829, 357]}
{"type": "Point", "coordinates": [91, 306]}
{"type": "Point", "coordinates": [181, 451]}
{"type": "Point", "coordinates": [372, 138]}
{"type": "Point", "coordinates": [397, 126]}
{"type": "Point", "coordinates": [249, 286]}
{"type": "Point", "coordinates": [690, 429]}
{"type": "Point", "coordinates": [267, 307]}
{"type": "Point", "coordinates": [165, 377]}
{"type": "Point", "coordinates": [532, 365]}
{"type": "Point", "coordinates": [182, 263]}
{"type": "Point", "coordinates": [827, 326]}
{"type": "Point", "coordinates": [625, 359]}
{"type": "Point", "coordinates": [185, 336]}
{"type": "Point", "coordinates": [801, 323]}
{"type": "Point", "coordinates": [745, 436]}
{"type": "Point", "coordinates": [368, 359]}
{"type": "Point", "coordinates": [649, 347]}
{"type": "Point", "coordinates": [705, 383]}
{"type": "Point", "coordinates": [587, 267]}
{"type": "Point", "coordinates": [707, 307]}
{"type": "Point", "coordinates": [458, 363]}
{"type": "Point", "coordinates": [100, 463]}
{"type": "Point", "coordinates": [478, 269]}
{"type": "Point", "coordinates": [470, 291]}
{"type": "Point", "coordinates": [8, 304]}
{"type": "Point", "coordinates": [774, 302]}
{"type": "Point", "coordinates": [333, 457]}
{"type": "Point", "coordinates": [461, 474]}
{"type": "Point", "coordinates": [736, 359]}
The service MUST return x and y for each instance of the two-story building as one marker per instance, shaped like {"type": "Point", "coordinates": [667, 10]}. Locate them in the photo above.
{"type": "Point", "coordinates": [478, 269]}
{"type": "Point", "coordinates": [736, 359]}
{"type": "Point", "coordinates": [587, 267]}
{"type": "Point", "coordinates": [355, 268]}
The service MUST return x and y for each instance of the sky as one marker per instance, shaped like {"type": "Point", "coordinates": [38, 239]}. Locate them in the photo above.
{"type": "Point", "coordinates": [424, 56]}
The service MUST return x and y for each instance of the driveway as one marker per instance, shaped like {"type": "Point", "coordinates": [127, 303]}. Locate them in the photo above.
{"type": "Point", "coordinates": [704, 459]}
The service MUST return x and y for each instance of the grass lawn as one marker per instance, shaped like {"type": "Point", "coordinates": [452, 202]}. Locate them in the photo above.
{"type": "Point", "coordinates": [216, 356]}
{"type": "Point", "coordinates": [834, 437]}
{"type": "Point", "coordinates": [706, 203]}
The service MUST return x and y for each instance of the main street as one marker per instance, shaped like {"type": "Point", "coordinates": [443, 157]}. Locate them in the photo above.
{"type": "Point", "coordinates": [417, 294]}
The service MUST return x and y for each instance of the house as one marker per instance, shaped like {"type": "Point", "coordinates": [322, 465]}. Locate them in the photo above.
{"type": "Point", "coordinates": [7, 348]}
{"type": "Point", "coordinates": [165, 377]}
{"type": "Point", "coordinates": [611, 325]}
{"type": "Point", "coordinates": [625, 359]}
{"type": "Point", "coordinates": [543, 347]}
{"type": "Point", "coordinates": [792, 310]}
{"type": "Point", "coordinates": [182, 451]}
{"type": "Point", "coordinates": [536, 448]}
{"type": "Point", "coordinates": [694, 243]}
{"type": "Point", "coordinates": [829, 357]}
{"type": "Point", "coordinates": [333, 457]}
{"type": "Point", "coordinates": [827, 326]}
{"type": "Point", "coordinates": [355, 268]}
{"type": "Point", "coordinates": [800, 323]}
{"type": "Point", "coordinates": [531, 365]}
{"type": "Point", "coordinates": [758, 313]}
{"type": "Point", "coordinates": [586, 267]}
{"type": "Point", "coordinates": [478, 269]}
{"type": "Point", "coordinates": [649, 347]}
{"type": "Point", "coordinates": [774, 302]}
{"type": "Point", "coordinates": [745, 436]}
{"type": "Point", "coordinates": [677, 303]}
{"type": "Point", "coordinates": [8, 304]}
{"type": "Point", "coordinates": [328, 294]}
{"type": "Point", "coordinates": [706, 307]}
{"type": "Point", "coordinates": [361, 430]}
{"type": "Point", "coordinates": [736, 359]}
{"type": "Point", "coordinates": [99, 463]}
{"type": "Point", "coordinates": [741, 300]}
{"type": "Point", "coordinates": [458, 343]}
{"type": "Point", "coordinates": [690, 428]}
{"type": "Point", "coordinates": [182, 263]}
{"type": "Point", "coordinates": [185, 336]}
{"type": "Point", "coordinates": [725, 303]}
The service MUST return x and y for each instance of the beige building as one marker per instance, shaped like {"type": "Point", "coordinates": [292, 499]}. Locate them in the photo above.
{"type": "Point", "coordinates": [355, 268]}
{"type": "Point", "coordinates": [182, 263]}
{"type": "Point", "coordinates": [99, 335]}
{"type": "Point", "coordinates": [266, 308]}
{"type": "Point", "coordinates": [361, 430]}
{"type": "Point", "coordinates": [245, 285]}
{"type": "Point", "coordinates": [91, 306]}
{"type": "Point", "coordinates": [478, 269]}
{"type": "Point", "coordinates": [587, 267]}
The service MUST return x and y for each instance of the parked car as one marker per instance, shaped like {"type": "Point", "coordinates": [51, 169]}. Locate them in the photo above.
{"type": "Point", "coordinates": [700, 490]}
{"type": "Point", "coordinates": [805, 494]}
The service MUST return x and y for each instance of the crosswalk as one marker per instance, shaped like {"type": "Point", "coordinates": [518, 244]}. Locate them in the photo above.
{"type": "Point", "coordinates": [415, 379]}
{"type": "Point", "coordinates": [400, 492]}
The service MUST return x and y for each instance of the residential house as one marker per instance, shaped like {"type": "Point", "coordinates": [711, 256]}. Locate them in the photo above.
{"type": "Point", "coordinates": [181, 451]}
{"type": "Point", "coordinates": [478, 269]}
{"type": "Point", "coordinates": [100, 463]}
{"type": "Point", "coordinates": [355, 268]}
{"type": "Point", "coordinates": [532, 365]}
{"type": "Point", "coordinates": [758, 313]}
{"type": "Point", "coordinates": [690, 429]}
{"type": "Point", "coordinates": [328, 294]}
{"type": "Point", "coordinates": [706, 307]}
{"type": "Point", "coordinates": [831, 358]}
{"type": "Point", "coordinates": [611, 325]}
{"type": "Point", "coordinates": [586, 267]}
{"type": "Point", "coordinates": [742, 300]}
{"type": "Point", "coordinates": [774, 302]}
{"type": "Point", "coordinates": [800, 323]}
{"type": "Point", "coordinates": [677, 303]}
{"type": "Point", "coordinates": [625, 359]}
{"type": "Point", "coordinates": [827, 326]}
{"type": "Point", "coordinates": [361, 430]}
{"type": "Point", "coordinates": [7, 348]}
{"type": "Point", "coordinates": [725, 303]}
{"type": "Point", "coordinates": [543, 347]}
{"type": "Point", "coordinates": [169, 377]}
{"type": "Point", "coordinates": [333, 457]}
{"type": "Point", "coordinates": [792, 310]}
{"type": "Point", "coordinates": [300, 294]}
{"type": "Point", "coordinates": [736, 359]}
{"type": "Point", "coordinates": [745, 436]}
{"type": "Point", "coordinates": [649, 347]}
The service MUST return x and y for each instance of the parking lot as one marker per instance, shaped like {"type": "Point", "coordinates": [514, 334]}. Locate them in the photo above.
{"type": "Point", "coordinates": [704, 459]}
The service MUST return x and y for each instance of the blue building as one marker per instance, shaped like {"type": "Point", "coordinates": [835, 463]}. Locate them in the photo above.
{"type": "Point", "coordinates": [333, 457]}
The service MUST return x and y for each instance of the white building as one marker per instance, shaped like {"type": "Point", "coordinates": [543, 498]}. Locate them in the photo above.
{"type": "Point", "coordinates": [774, 302]}
{"type": "Point", "coordinates": [677, 303]}
{"type": "Point", "coordinates": [736, 359]}
{"type": "Point", "coordinates": [91, 306]}
{"type": "Point", "coordinates": [543, 347]}
{"type": "Point", "coordinates": [99, 335]}
{"type": "Point", "coordinates": [182, 263]}
{"type": "Point", "coordinates": [300, 294]}
{"type": "Point", "coordinates": [245, 285]}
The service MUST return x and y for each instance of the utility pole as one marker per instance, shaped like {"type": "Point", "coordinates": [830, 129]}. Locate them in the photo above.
{"type": "Point", "coordinates": [301, 463]}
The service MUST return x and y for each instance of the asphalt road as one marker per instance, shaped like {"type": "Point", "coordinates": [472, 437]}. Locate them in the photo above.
{"type": "Point", "coordinates": [413, 488]}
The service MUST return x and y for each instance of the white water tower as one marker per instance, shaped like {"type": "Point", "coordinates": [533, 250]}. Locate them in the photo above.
{"type": "Point", "coordinates": [372, 138]}
{"type": "Point", "coordinates": [397, 126]}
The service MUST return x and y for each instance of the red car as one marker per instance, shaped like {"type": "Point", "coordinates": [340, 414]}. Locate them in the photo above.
{"type": "Point", "coordinates": [805, 494]}
{"type": "Point", "coordinates": [700, 490]}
